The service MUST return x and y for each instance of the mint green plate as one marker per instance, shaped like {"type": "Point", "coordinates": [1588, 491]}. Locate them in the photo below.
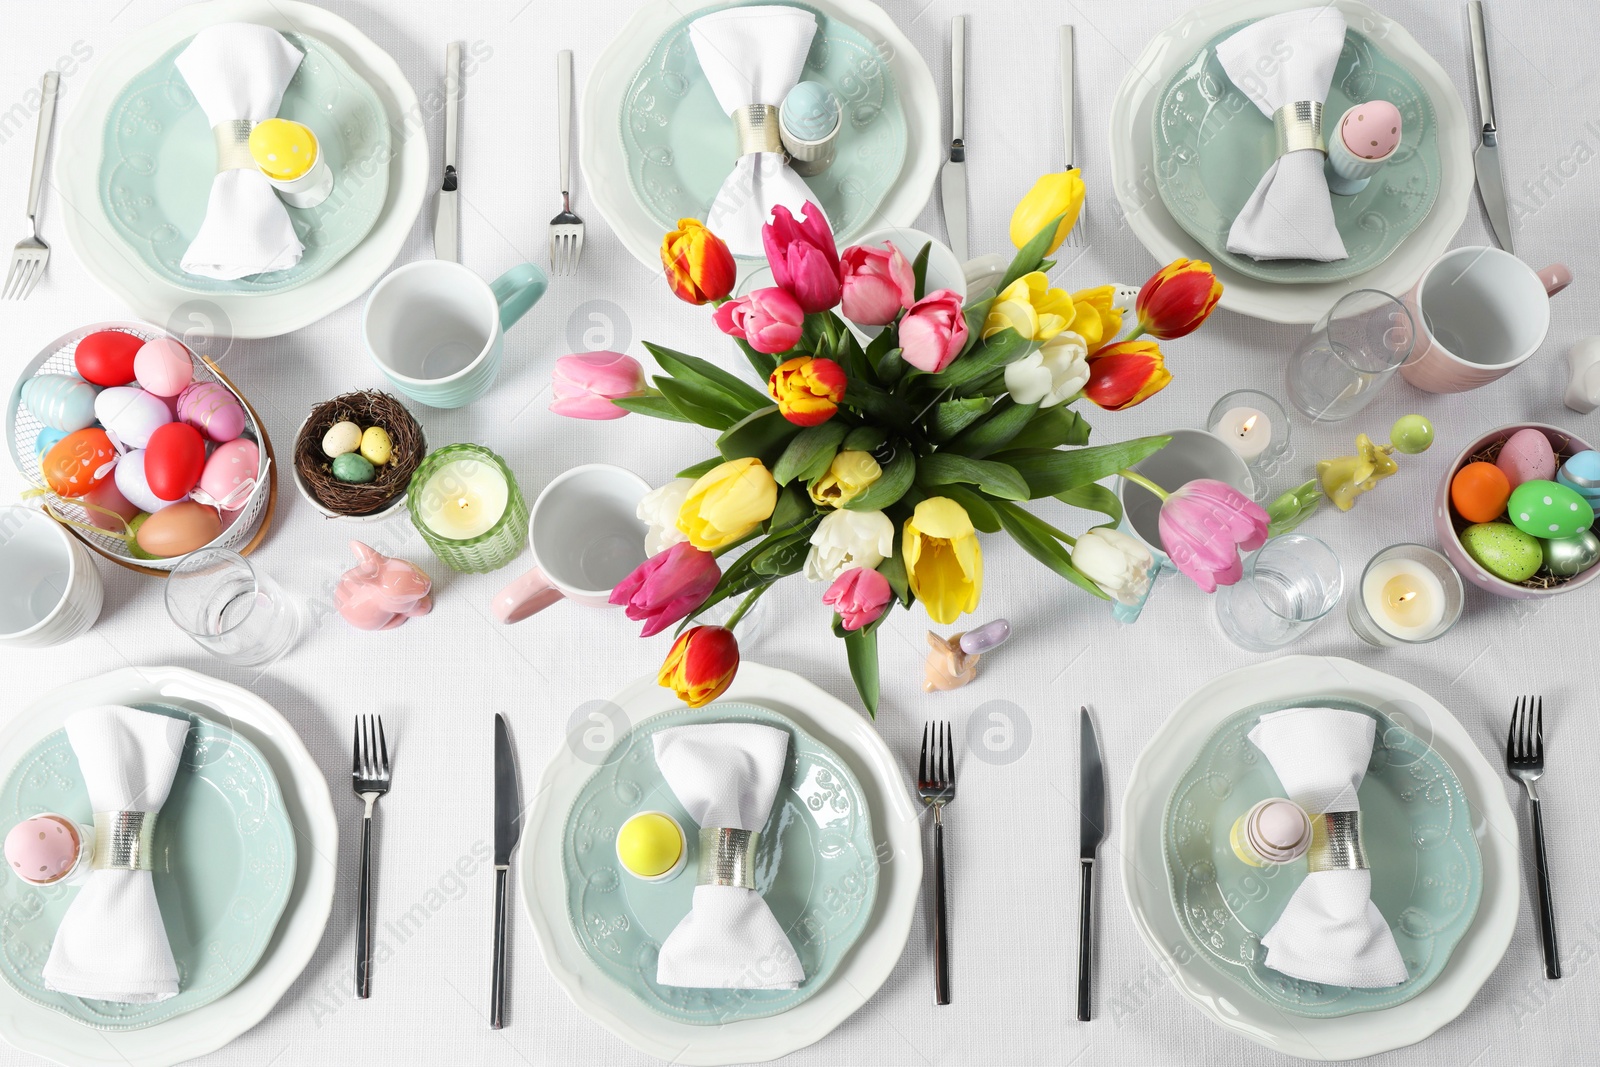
{"type": "Point", "coordinates": [159, 160]}
{"type": "Point", "coordinates": [815, 864]}
{"type": "Point", "coordinates": [678, 142]}
{"type": "Point", "coordinates": [1427, 875]}
{"type": "Point", "coordinates": [225, 861]}
{"type": "Point", "coordinates": [1212, 145]}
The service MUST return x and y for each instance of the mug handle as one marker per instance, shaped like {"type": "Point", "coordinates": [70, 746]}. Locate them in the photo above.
{"type": "Point", "coordinates": [516, 291]}
{"type": "Point", "coordinates": [1555, 277]}
{"type": "Point", "coordinates": [525, 597]}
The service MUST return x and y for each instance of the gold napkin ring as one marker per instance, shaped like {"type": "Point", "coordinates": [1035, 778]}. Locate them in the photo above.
{"type": "Point", "coordinates": [233, 144]}
{"type": "Point", "coordinates": [1336, 843]}
{"type": "Point", "coordinates": [1298, 126]}
{"type": "Point", "coordinates": [124, 840]}
{"type": "Point", "coordinates": [755, 129]}
{"type": "Point", "coordinates": [727, 857]}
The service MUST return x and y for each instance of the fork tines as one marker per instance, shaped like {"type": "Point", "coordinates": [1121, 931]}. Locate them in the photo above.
{"type": "Point", "coordinates": [1525, 743]}
{"type": "Point", "coordinates": [370, 767]}
{"type": "Point", "coordinates": [937, 773]}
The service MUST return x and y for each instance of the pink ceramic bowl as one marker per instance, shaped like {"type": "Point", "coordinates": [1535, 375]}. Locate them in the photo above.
{"type": "Point", "coordinates": [1565, 444]}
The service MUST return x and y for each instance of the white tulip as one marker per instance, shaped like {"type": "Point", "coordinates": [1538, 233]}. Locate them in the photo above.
{"type": "Point", "coordinates": [659, 509]}
{"type": "Point", "coordinates": [1053, 375]}
{"type": "Point", "coordinates": [1118, 564]}
{"type": "Point", "coordinates": [847, 539]}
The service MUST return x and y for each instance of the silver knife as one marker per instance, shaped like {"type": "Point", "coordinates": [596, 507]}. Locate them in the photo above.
{"type": "Point", "coordinates": [507, 827]}
{"type": "Point", "coordinates": [1486, 160]}
{"type": "Point", "coordinates": [1091, 830]}
{"type": "Point", "coordinates": [953, 179]}
{"type": "Point", "coordinates": [446, 225]}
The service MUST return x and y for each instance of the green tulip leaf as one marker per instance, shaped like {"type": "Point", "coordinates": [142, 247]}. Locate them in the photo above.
{"type": "Point", "coordinates": [864, 439]}
{"type": "Point", "coordinates": [1037, 539]}
{"type": "Point", "coordinates": [685, 368]}
{"type": "Point", "coordinates": [1049, 471]}
{"type": "Point", "coordinates": [1094, 497]}
{"type": "Point", "coordinates": [1004, 422]}
{"type": "Point", "coordinates": [1031, 255]}
{"type": "Point", "coordinates": [891, 484]}
{"type": "Point", "coordinates": [652, 404]}
{"type": "Point", "coordinates": [705, 466]}
{"type": "Point", "coordinates": [1052, 428]}
{"type": "Point", "coordinates": [699, 403]}
{"type": "Point", "coordinates": [809, 452]}
{"type": "Point", "coordinates": [978, 509]}
{"type": "Point", "coordinates": [995, 479]}
{"type": "Point", "coordinates": [794, 507]}
{"type": "Point", "coordinates": [953, 416]}
{"type": "Point", "coordinates": [893, 569]}
{"type": "Point", "coordinates": [763, 434]}
{"type": "Point", "coordinates": [989, 355]}
{"type": "Point", "coordinates": [861, 649]}
{"type": "Point", "coordinates": [919, 270]}
{"type": "Point", "coordinates": [891, 367]}
{"type": "Point", "coordinates": [761, 362]}
{"type": "Point", "coordinates": [784, 553]}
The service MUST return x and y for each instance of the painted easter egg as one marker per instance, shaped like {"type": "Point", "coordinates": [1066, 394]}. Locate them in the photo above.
{"type": "Point", "coordinates": [106, 358]}
{"type": "Point", "coordinates": [355, 468]}
{"type": "Point", "coordinates": [174, 461]}
{"type": "Point", "coordinates": [211, 409]}
{"type": "Point", "coordinates": [45, 440]}
{"type": "Point", "coordinates": [43, 849]}
{"type": "Point", "coordinates": [79, 462]}
{"type": "Point", "coordinates": [1580, 472]}
{"type": "Point", "coordinates": [60, 401]}
{"type": "Point", "coordinates": [1502, 550]}
{"type": "Point", "coordinates": [230, 474]}
{"type": "Point", "coordinates": [1479, 492]}
{"type": "Point", "coordinates": [376, 446]}
{"type": "Point", "coordinates": [1549, 509]}
{"type": "Point", "coordinates": [131, 483]}
{"type": "Point", "coordinates": [1569, 556]}
{"type": "Point", "coordinates": [106, 497]}
{"type": "Point", "coordinates": [1526, 457]}
{"type": "Point", "coordinates": [164, 366]}
{"type": "Point", "coordinates": [130, 415]}
{"type": "Point", "coordinates": [178, 529]}
{"type": "Point", "coordinates": [341, 437]}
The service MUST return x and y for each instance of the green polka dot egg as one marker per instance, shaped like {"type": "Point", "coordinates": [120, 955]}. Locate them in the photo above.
{"type": "Point", "coordinates": [1549, 510]}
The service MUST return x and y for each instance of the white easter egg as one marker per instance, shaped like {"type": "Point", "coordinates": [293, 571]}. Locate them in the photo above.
{"type": "Point", "coordinates": [131, 483]}
{"type": "Point", "coordinates": [130, 415]}
{"type": "Point", "coordinates": [341, 437]}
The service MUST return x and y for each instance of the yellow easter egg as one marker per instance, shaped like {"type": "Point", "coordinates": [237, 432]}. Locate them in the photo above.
{"type": "Point", "coordinates": [649, 844]}
{"type": "Point", "coordinates": [376, 446]}
{"type": "Point", "coordinates": [283, 150]}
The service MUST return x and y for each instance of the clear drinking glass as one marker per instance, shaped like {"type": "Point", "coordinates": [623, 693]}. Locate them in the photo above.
{"type": "Point", "coordinates": [230, 609]}
{"type": "Point", "coordinates": [1288, 586]}
{"type": "Point", "coordinates": [1349, 356]}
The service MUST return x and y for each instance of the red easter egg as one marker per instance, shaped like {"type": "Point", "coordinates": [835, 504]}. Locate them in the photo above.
{"type": "Point", "coordinates": [174, 460]}
{"type": "Point", "coordinates": [78, 462]}
{"type": "Point", "coordinates": [106, 358]}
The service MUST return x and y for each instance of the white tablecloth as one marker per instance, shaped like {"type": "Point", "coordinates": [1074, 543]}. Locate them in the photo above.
{"type": "Point", "coordinates": [1012, 837]}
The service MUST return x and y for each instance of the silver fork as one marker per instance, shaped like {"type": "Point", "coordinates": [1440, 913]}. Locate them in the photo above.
{"type": "Point", "coordinates": [369, 776]}
{"type": "Point", "coordinates": [1525, 763]}
{"type": "Point", "coordinates": [936, 785]}
{"type": "Point", "coordinates": [31, 254]}
{"type": "Point", "coordinates": [566, 229]}
{"type": "Point", "coordinates": [1079, 234]}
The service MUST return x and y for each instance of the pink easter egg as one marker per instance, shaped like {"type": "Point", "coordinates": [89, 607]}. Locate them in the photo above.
{"type": "Point", "coordinates": [1371, 130]}
{"type": "Point", "coordinates": [107, 496]}
{"type": "Point", "coordinates": [42, 849]}
{"type": "Point", "coordinates": [230, 474]}
{"type": "Point", "coordinates": [163, 366]}
{"type": "Point", "coordinates": [1527, 457]}
{"type": "Point", "coordinates": [211, 409]}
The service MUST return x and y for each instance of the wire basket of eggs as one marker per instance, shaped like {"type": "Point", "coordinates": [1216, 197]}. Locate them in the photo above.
{"type": "Point", "coordinates": [355, 454]}
{"type": "Point", "coordinates": [141, 449]}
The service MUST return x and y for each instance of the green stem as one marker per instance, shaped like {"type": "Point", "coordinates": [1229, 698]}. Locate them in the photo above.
{"type": "Point", "coordinates": [744, 606]}
{"type": "Point", "coordinates": [1139, 479]}
{"type": "Point", "coordinates": [1138, 332]}
{"type": "Point", "coordinates": [717, 553]}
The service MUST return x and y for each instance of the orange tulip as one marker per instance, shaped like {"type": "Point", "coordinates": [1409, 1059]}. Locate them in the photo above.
{"type": "Point", "coordinates": [1177, 299]}
{"type": "Point", "coordinates": [698, 265]}
{"type": "Point", "coordinates": [700, 665]}
{"type": "Point", "coordinates": [807, 389]}
{"type": "Point", "coordinates": [1125, 374]}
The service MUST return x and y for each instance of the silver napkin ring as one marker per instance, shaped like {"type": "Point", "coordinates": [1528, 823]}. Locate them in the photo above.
{"type": "Point", "coordinates": [755, 129]}
{"type": "Point", "coordinates": [727, 857]}
{"type": "Point", "coordinates": [1336, 843]}
{"type": "Point", "coordinates": [233, 144]}
{"type": "Point", "coordinates": [124, 841]}
{"type": "Point", "coordinates": [1298, 126]}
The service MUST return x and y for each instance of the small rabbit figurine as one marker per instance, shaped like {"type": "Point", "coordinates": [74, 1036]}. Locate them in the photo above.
{"type": "Point", "coordinates": [380, 592]}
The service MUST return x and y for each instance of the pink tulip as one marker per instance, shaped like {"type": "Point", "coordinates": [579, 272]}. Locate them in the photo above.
{"type": "Point", "coordinates": [934, 331]}
{"type": "Point", "coordinates": [860, 596]}
{"type": "Point", "coordinates": [876, 284]}
{"type": "Point", "coordinates": [1203, 527]}
{"type": "Point", "coordinates": [769, 320]}
{"type": "Point", "coordinates": [803, 257]}
{"type": "Point", "coordinates": [584, 384]}
{"type": "Point", "coordinates": [667, 587]}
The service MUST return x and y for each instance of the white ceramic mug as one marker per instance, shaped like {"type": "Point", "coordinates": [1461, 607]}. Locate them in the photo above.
{"type": "Point", "coordinates": [585, 535]}
{"type": "Point", "coordinates": [50, 591]}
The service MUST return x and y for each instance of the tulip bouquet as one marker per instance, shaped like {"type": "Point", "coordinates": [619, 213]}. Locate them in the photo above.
{"type": "Point", "coordinates": [872, 467]}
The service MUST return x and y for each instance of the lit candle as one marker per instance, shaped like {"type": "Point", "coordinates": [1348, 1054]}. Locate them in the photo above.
{"type": "Point", "coordinates": [1246, 430]}
{"type": "Point", "coordinates": [1405, 600]}
{"type": "Point", "coordinates": [464, 500]}
{"type": "Point", "coordinates": [465, 503]}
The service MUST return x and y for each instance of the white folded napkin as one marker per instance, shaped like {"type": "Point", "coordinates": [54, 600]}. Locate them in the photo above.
{"type": "Point", "coordinates": [111, 944]}
{"type": "Point", "coordinates": [1330, 932]}
{"type": "Point", "coordinates": [238, 70]}
{"type": "Point", "coordinates": [726, 775]}
{"type": "Point", "coordinates": [1274, 62]}
{"type": "Point", "coordinates": [753, 55]}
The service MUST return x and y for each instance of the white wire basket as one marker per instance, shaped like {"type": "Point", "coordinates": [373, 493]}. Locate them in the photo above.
{"type": "Point", "coordinates": [242, 530]}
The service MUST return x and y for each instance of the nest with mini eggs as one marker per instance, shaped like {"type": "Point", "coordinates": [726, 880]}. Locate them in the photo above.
{"type": "Point", "coordinates": [365, 409]}
{"type": "Point", "coordinates": [1544, 579]}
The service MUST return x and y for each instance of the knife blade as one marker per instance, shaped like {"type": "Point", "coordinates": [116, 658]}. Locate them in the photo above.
{"type": "Point", "coordinates": [953, 178]}
{"type": "Point", "coordinates": [1486, 158]}
{"type": "Point", "coordinates": [447, 222]}
{"type": "Point", "coordinates": [1091, 830]}
{"type": "Point", "coordinates": [507, 828]}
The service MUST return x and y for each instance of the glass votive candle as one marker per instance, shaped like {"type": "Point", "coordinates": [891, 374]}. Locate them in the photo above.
{"type": "Point", "coordinates": [465, 503]}
{"type": "Point", "coordinates": [1409, 595]}
{"type": "Point", "coordinates": [1255, 426]}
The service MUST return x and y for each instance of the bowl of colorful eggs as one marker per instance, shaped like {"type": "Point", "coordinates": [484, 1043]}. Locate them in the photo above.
{"type": "Point", "coordinates": [144, 451]}
{"type": "Point", "coordinates": [354, 455]}
{"type": "Point", "coordinates": [1516, 512]}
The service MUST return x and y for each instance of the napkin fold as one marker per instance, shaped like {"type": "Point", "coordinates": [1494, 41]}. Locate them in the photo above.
{"type": "Point", "coordinates": [112, 944]}
{"type": "Point", "coordinates": [753, 55]}
{"type": "Point", "coordinates": [1277, 61]}
{"type": "Point", "coordinates": [1330, 932]}
{"type": "Point", "coordinates": [238, 70]}
{"type": "Point", "coordinates": [726, 775]}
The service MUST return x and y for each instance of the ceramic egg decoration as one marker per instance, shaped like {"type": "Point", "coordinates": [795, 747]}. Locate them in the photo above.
{"type": "Point", "coordinates": [1479, 492]}
{"type": "Point", "coordinates": [211, 409]}
{"type": "Point", "coordinates": [1569, 556]}
{"type": "Point", "coordinates": [354, 468]}
{"type": "Point", "coordinates": [342, 437]}
{"type": "Point", "coordinates": [79, 462]}
{"type": "Point", "coordinates": [1527, 456]}
{"type": "Point", "coordinates": [1502, 550]}
{"type": "Point", "coordinates": [45, 439]}
{"type": "Point", "coordinates": [651, 846]}
{"type": "Point", "coordinates": [174, 461]}
{"type": "Point", "coordinates": [230, 474]}
{"type": "Point", "coordinates": [130, 415]}
{"type": "Point", "coordinates": [178, 529]}
{"type": "Point", "coordinates": [163, 366]}
{"type": "Point", "coordinates": [106, 358]}
{"type": "Point", "coordinates": [130, 481]}
{"type": "Point", "coordinates": [44, 849]}
{"type": "Point", "coordinates": [1549, 510]}
{"type": "Point", "coordinates": [60, 401]}
{"type": "Point", "coordinates": [107, 508]}
{"type": "Point", "coordinates": [376, 446]}
{"type": "Point", "coordinates": [1581, 472]}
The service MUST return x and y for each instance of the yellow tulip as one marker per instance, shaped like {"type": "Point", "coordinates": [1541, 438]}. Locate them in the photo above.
{"type": "Point", "coordinates": [848, 476]}
{"type": "Point", "coordinates": [1052, 195]}
{"type": "Point", "coordinates": [1093, 317]}
{"type": "Point", "coordinates": [944, 561]}
{"type": "Point", "coordinates": [1029, 306]}
{"type": "Point", "coordinates": [727, 502]}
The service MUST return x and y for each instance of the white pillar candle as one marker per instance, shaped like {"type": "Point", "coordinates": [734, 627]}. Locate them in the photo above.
{"type": "Point", "coordinates": [464, 499]}
{"type": "Point", "coordinates": [1404, 598]}
{"type": "Point", "coordinates": [1246, 430]}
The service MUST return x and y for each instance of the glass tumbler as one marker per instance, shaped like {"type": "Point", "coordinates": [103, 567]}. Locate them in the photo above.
{"type": "Point", "coordinates": [1288, 586]}
{"type": "Point", "coordinates": [1350, 355]}
{"type": "Point", "coordinates": [230, 609]}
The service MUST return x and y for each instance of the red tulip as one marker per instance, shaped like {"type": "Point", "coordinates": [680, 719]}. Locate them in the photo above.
{"type": "Point", "coordinates": [1126, 373]}
{"type": "Point", "coordinates": [700, 665]}
{"type": "Point", "coordinates": [803, 257]}
{"type": "Point", "coordinates": [1177, 299]}
{"type": "Point", "coordinates": [807, 389]}
{"type": "Point", "coordinates": [699, 266]}
{"type": "Point", "coordinates": [769, 320]}
{"type": "Point", "coordinates": [667, 587]}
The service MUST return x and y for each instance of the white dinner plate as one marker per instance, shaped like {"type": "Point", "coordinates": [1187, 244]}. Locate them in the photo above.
{"type": "Point", "coordinates": [896, 833]}
{"type": "Point", "coordinates": [1148, 893]}
{"type": "Point", "coordinates": [1133, 161]}
{"type": "Point", "coordinates": [96, 242]}
{"type": "Point", "coordinates": [40, 1030]}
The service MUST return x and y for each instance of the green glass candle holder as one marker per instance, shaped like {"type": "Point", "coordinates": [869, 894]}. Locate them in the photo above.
{"type": "Point", "coordinates": [468, 478]}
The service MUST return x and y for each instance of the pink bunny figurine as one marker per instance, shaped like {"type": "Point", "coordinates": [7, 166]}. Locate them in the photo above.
{"type": "Point", "coordinates": [380, 592]}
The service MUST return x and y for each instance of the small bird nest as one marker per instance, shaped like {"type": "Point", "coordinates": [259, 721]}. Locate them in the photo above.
{"type": "Point", "coordinates": [365, 409]}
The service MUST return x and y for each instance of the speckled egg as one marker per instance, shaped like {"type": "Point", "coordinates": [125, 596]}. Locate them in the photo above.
{"type": "Point", "coordinates": [1527, 457]}
{"type": "Point", "coordinates": [1371, 130]}
{"type": "Point", "coordinates": [1549, 509]}
{"type": "Point", "coordinates": [355, 468]}
{"type": "Point", "coordinates": [106, 358]}
{"type": "Point", "coordinates": [79, 462]}
{"type": "Point", "coordinates": [43, 849]}
{"type": "Point", "coordinates": [1582, 473]}
{"type": "Point", "coordinates": [178, 529]}
{"type": "Point", "coordinates": [60, 401]}
{"type": "Point", "coordinates": [1570, 556]}
{"type": "Point", "coordinates": [211, 409]}
{"type": "Point", "coordinates": [376, 446]}
{"type": "Point", "coordinates": [1502, 550]}
{"type": "Point", "coordinates": [130, 415]}
{"type": "Point", "coordinates": [1479, 492]}
{"type": "Point", "coordinates": [230, 474]}
{"type": "Point", "coordinates": [164, 366]}
{"type": "Point", "coordinates": [131, 483]}
{"type": "Point", "coordinates": [341, 437]}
